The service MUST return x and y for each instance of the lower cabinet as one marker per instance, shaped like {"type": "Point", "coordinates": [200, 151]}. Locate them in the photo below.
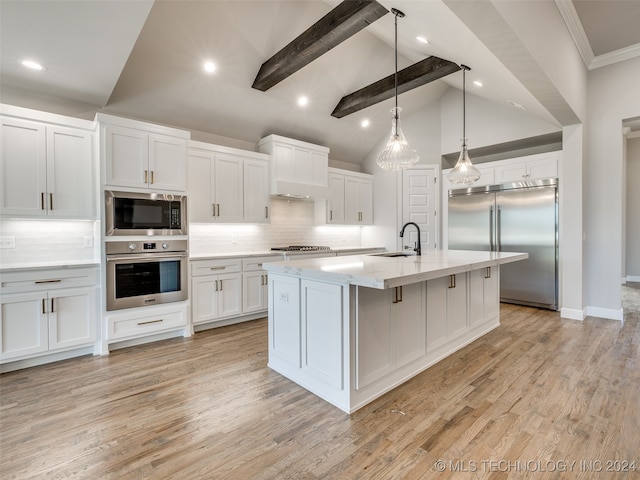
{"type": "Point", "coordinates": [255, 284]}
{"type": "Point", "coordinates": [145, 321]}
{"type": "Point", "coordinates": [484, 295]}
{"type": "Point", "coordinates": [446, 309]}
{"type": "Point", "coordinates": [46, 317]}
{"type": "Point", "coordinates": [216, 290]}
{"type": "Point", "coordinates": [390, 330]}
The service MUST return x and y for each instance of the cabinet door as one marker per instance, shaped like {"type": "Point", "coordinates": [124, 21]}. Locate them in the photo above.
{"type": "Point", "coordinates": [366, 201]}
{"type": "Point", "coordinates": [230, 295]}
{"type": "Point", "coordinates": [228, 188]}
{"type": "Point", "coordinates": [335, 203]}
{"type": "Point", "coordinates": [70, 173]}
{"type": "Point", "coordinates": [511, 173]}
{"type": "Point", "coordinates": [546, 168]}
{"type": "Point", "coordinates": [22, 168]}
{"type": "Point", "coordinates": [319, 167]}
{"type": "Point", "coordinates": [167, 163]}
{"type": "Point", "coordinates": [23, 325]}
{"type": "Point", "coordinates": [374, 336]}
{"type": "Point", "coordinates": [283, 161]}
{"type": "Point", "coordinates": [457, 306]}
{"type": "Point", "coordinates": [204, 299]}
{"type": "Point", "coordinates": [351, 201]}
{"type": "Point", "coordinates": [256, 191]}
{"type": "Point", "coordinates": [302, 165]}
{"type": "Point", "coordinates": [127, 157]}
{"type": "Point", "coordinates": [409, 324]}
{"type": "Point", "coordinates": [72, 315]}
{"type": "Point", "coordinates": [200, 178]}
{"type": "Point", "coordinates": [254, 291]}
{"type": "Point", "coordinates": [436, 313]}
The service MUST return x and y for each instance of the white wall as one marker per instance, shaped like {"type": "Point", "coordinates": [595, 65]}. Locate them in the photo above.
{"type": "Point", "coordinates": [613, 96]}
{"type": "Point", "coordinates": [632, 260]}
{"type": "Point", "coordinates": [488, 123]}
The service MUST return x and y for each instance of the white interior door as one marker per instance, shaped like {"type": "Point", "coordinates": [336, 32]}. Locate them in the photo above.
{"type": "Point", "coordinates": [419, 205]}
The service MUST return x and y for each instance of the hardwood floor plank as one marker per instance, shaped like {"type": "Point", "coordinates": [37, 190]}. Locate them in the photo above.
{"type": "Point", "coordinates": [537, 389]}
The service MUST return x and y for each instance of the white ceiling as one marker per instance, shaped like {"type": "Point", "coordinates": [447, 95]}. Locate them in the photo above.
{"type": "Point", "coordinates": [144, 60]}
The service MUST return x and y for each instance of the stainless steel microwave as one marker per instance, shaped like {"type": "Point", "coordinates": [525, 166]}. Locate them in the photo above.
{"type": "Point", "coordinates": [128, 213]}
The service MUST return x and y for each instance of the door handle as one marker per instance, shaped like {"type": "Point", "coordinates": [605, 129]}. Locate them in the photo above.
{"type": "Point", "coordinates": [499, 230]}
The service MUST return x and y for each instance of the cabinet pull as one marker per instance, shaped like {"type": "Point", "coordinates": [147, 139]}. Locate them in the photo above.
{"type": "Point", "coordinates": [152, 172]}
{"type": "Point", "coordinates": [151, 321]}
{"type": "Point", "coordinates": [266, 212]}
{"type": "Point", "coordinates": [50, 201]}
{"type": "Point", "coordinates": [58, 280]}
{"type": "Point", "coordinates": [330, 215]}
{"type": "Point", "coordinates": [42, 201]}
{"type": "Point", "coordinates": [220, 285]}
{"type": "Point", "coordinates": [487, 273]}
{"type": "Point", "coordinates": [397, 294]}
{"type": "Point", "coordinates": [400, 288]}
{"type": "Point", "coordinates": [216, 285]}
{"type": "Point", "coordinates": [44, 305]}
{"type": "Point", "coordinates": [52, 306]}
{"type": "Point", "coordinates": [452, 281]}
{"type": "Point", "coordinates": [146, 176]}
{"type": "Point", "coordinates": [213, 209]}
{"type": "Point", "coordinates": [218, 209]}
{"type": "Point", "coordinates": [217, 268]}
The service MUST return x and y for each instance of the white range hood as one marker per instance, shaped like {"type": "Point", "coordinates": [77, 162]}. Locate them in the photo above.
{"type": "Point", "coordinates": [298, 169]}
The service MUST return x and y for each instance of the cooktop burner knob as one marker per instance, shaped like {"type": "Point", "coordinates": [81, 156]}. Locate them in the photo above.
{"type": "Point", "coordinates": [165, 246]}
{"type": "Point", "coordinates": [132, 246]}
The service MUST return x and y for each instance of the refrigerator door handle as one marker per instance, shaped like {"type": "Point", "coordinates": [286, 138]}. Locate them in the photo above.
{"type": "Point", "coordinates": [498, 230]}
{"type": "Point", "coordinates": [491, 245]}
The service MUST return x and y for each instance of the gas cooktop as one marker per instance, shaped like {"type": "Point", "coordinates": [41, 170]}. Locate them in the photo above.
{"type": "Point", "coordinates": [302, 248]}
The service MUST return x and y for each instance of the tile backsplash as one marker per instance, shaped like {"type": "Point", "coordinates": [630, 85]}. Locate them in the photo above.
{"type": "Point", "coordinates": [43, 241]}
{"type": "Point", "coordinates": [292, 223]}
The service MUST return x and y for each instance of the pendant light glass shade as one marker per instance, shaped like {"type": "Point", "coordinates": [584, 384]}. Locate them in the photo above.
{"type": "Point", "coordinates": [464, 173]}
{"type": "Point", "coordinates": [397, 154]}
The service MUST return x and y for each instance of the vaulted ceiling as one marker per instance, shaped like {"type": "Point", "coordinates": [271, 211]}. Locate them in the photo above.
{"type": "Point", "coordinates": [144, 60]}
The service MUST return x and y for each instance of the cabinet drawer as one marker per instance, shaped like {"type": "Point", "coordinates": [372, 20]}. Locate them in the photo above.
{"type": "Point", "coordinates": [215, 267]}
{"type": "Point", "coordinates": [255, 263]}
{"type": "Point", "coordinates": [125, 327]}
{"type": "Point", "coordinates": [49, 279]}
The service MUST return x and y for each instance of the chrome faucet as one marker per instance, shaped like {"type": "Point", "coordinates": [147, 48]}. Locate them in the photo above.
{"type": "Point", "coordinates": [418, 248]}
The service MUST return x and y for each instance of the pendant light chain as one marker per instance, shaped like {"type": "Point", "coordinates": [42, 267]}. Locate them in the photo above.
{"type": "Point", "coordinates": [464, 105]}
{"type": "Point", "coordinates": [395, 43]}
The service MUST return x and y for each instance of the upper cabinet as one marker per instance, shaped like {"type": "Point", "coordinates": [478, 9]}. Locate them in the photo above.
{"type": "Point", "coordinates": [46, 169]}
{"type": "Point", "coordinates": [297, 168]}
{"type": "Point", "coordinates": [227, 185]}
{"type": "Point", "coordinates": [138, 155]}
{"type": "Point", "coordinates": [350, 199]}
{"type": "Point", "coordinates": [538, 166]}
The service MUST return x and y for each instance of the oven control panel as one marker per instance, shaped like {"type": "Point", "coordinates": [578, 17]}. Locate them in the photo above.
{"type": "Point", "coordinates": [146, 246]}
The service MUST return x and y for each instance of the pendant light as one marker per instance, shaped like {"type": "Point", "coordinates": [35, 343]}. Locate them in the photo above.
{"type": "Point", "coordinates": [397, 154]}
{"type": "Point", "coordinates": [464, 173]}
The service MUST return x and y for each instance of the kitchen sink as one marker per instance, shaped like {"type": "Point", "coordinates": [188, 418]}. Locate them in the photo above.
{"type": "Point", "coordinates": [393, 254]}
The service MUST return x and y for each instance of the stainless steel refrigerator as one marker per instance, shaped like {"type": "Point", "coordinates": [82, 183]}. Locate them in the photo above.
{"type": "Point", "coordinates": [512, 217]}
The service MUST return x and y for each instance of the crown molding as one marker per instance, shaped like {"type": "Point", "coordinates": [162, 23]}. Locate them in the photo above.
{"type": "Point", "coordinates": [616, 56]}
{"type": "Point", "coordinates": [571, 18]}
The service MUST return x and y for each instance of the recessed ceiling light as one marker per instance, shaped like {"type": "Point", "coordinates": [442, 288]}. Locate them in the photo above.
{"type": "Point", "coordinates": [209, 67]}
{"type": "Point", "coordinates": [422, 39]}
{"type": "Point", "coordinates": [478, 83]}
{"type": "Point", "coordinates": [32, 65]}
{"type": "Point", "coordinates": [365, 123]}
{"type": "Point", "coordinates": [303, 101]}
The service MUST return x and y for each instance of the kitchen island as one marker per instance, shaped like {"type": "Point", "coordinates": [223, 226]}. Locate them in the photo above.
{"type": "Point", "coordinates": [351, 328]}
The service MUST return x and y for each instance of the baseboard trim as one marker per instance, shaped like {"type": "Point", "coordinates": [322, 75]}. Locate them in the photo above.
{"type": "Point", "coordinates": [608, 313]}
{"type": "Point", "coordinates": [572, 314]}
{"type": "Point", "coordinates": [633, 278]}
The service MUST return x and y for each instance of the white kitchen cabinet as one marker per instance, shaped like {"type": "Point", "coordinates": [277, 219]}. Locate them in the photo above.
{"type": "Point", "coordinates": [484, 295]}
{"type": "Point", "coordinates": [334, 211]}
{"type": "Point", "coordinates": [358, 200]}
{"type": "Point", "coordinates": [390, 329]}
{"type": "Point", "coordinates": [216, 289]}
{"type": "Point", "coordinates": [42, 317]}
{"type": "Point", "coordinates": [256, 198]}
{"type": "Point", "coordinates": [227, 185]}
{"type": "Point", "coordinates": [135, 323]}
{"type": "Point", "coordinates": [255, 284]}
{"type": "Point", "coordinates": [46, 170]}
{"type": "Point", "coordinates": [446, 309]}
{"type": "Point", "coordinates": [527, 169]}
{"type": "Point", "coordinates": [137, 159]}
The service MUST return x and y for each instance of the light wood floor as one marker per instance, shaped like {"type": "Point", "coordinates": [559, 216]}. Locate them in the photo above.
{"type": "Point", "coordinates": [525, 401]}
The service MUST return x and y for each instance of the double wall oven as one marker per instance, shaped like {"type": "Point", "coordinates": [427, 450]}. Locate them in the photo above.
{"type": "Point", "coordinates": [149, 270]}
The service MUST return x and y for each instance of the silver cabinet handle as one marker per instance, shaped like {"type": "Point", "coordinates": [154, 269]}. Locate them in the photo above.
{"type": "Point", "coordinates": [151, 321]}
{"type": "Point", "coordinates": [146, 176]}
{"type": "Point", "coordinates": [44, 305]}
{"type": "Point", "coordinates": [151, 176]}
{"type": "Point", "coordinates": [58, 280]}
{"type": "Point", "coordinates": [220, 285]}
{"type": "Point", "coordinates": [499, 231]}
{"type": "Point", "coordinates": [452, 281]}
{"type": "Point", "coordinates": [216, 285]}
{"type": "Point", "coordinates": [487, 273]}
{"type": "Point", "coordinates": [397, 294]}
{"type": "Point", "coordinates": [491, 232]}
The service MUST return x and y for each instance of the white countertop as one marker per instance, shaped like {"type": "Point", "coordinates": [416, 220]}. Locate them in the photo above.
{"type": "Point", "coordinates": [281, 253]}
{"type": "Point", "coordinates": [40, 265]}
{"type": "Point", "coordinates": [387, 272]}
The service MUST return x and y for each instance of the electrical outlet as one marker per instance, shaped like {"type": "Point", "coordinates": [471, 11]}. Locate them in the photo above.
{"type": "Point", "coordinates": [284, 297]}
{"type": "Point", "coordinates": [87, 241]}
{"type": "Point", "coordinates": [7, 242]}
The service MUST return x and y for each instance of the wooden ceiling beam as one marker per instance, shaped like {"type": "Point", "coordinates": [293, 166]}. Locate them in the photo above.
{"type": "Point", "coordinates": [345, 20]}
{"type": "Point", "coordinates": [425, 71]}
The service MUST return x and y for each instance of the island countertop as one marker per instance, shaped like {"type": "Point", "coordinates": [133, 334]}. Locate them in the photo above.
{"type": "Point", "coordinates": [377, 271]}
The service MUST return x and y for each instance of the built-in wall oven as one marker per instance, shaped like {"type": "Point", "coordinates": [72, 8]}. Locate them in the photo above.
{"type": "Point", "coordinates": [128, 213]}
{"type": "Point", "coordinates": [141, 273]}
